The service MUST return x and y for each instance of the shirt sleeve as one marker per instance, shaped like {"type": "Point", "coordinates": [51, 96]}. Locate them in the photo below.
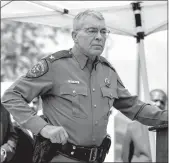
{"type": "Point", "coordinates": [135, 109]}
{"type": "Point", "coordinates": [37, 82]}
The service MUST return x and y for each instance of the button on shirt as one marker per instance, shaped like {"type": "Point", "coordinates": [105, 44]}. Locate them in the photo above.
{"type": "Point", "coordinates": [73, 97]}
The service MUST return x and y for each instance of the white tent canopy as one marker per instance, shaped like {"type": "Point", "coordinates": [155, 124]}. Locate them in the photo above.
{"type": "Point", "coordinates": [119, 15]}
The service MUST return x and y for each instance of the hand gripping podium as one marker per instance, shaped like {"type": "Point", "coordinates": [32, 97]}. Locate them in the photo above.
{"type": "Point", "coordinates": [161, 142]}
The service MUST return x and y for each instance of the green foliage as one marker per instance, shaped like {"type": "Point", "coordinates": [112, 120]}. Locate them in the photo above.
{"type": "Point", "coordinates": [22, 45]}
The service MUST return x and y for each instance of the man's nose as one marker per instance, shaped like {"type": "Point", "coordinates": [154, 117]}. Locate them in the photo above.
{"type": "Point", "coordinates": [158, 103]}
{"type": "Point", "coordinates": [31, 104]}
{"type": "Point", "coordinates": [98, 35]}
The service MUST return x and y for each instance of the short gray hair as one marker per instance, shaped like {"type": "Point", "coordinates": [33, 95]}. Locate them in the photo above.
{"type": "Point", "coordinates": [84, 14]}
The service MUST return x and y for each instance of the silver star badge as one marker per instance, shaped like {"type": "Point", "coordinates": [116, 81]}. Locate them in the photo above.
{"type": "Point", "coordinates": [107, 82]}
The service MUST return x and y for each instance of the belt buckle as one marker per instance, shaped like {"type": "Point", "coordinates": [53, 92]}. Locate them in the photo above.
{"type": "Point", "coordinates": [93, 154]}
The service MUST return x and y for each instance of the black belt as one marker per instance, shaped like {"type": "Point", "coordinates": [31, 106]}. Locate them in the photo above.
{"type": "Point", "coordinates": [44, 151]}
{"type": "Point", "coordinates": [80, 153]}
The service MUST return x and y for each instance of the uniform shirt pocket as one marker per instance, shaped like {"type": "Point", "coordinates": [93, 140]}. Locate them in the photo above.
{"type": "Point", "coordinates": [75, 94]}
{"type": "Point", "coordinates": [110, 93]}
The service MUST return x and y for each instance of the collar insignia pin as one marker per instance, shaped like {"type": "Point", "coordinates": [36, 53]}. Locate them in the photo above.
{"type": "Point", "coordinates": [51, 57]}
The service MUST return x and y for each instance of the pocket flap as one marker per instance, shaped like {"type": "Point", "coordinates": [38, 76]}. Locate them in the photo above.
{"type": "Point", "coordinates": [109, 92]}
{"type": "Point", "coordinates": [72, 89]}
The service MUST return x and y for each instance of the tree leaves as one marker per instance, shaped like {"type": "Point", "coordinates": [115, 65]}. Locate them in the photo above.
{"type": "Point", "coordinates": [22, 46]}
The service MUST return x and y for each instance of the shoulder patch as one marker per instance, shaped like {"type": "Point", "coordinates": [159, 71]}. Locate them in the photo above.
{"type": "Point", "coordinates": [104, 61]}
{"type": "Point", "coordinates": [59, 55]}
{"type": "Point", "coordinates": [38, 70]}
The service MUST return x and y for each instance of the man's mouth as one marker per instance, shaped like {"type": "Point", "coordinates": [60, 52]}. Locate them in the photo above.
{"type": "Point", "coordinates": [98, 46]}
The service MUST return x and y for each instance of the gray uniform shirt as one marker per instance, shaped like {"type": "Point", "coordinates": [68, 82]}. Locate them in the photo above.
{"type": "Point", "coordinates": [75, 98]}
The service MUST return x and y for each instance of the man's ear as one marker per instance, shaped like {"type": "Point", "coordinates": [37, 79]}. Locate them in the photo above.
{"type": "Point", "coordinates": [74, 36]}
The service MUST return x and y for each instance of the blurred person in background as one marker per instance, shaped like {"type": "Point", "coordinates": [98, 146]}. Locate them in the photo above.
{"type": "Point", "coordinates": [35, 105]}
{"type": "Point", "coordinates": [136, 145]}
{"type": "Point", "coordinates": [158, 98]}
{"type": "Point", "coordinates": [8, 138]}
{"type": "Point", "coordinates": [36, 108]}
{"type": "Point", "coordinates": [78, 87]}
{"type": "Point", "coordinates": [16, 143]}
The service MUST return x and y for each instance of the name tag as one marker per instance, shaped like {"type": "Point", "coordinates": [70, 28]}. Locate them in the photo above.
{"type": "Point", "coordinates": [73, 82]}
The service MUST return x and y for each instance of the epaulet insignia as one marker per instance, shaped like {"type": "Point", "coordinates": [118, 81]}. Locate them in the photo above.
{"type": "Point", "coordinates": [104, 61]}
{"type": "Point", "coordinates": [38, 70]}
{"type": "Point", "coordinates": [59, 55]}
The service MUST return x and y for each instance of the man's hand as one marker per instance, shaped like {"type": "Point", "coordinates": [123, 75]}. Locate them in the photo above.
{"type": "Point", "coordinates": [56, 134]}
{"type": "Point", "coordinates": [3, 155]}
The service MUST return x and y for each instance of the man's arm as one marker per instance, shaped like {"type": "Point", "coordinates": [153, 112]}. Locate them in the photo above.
{"type": "Point", "coordinates": [37, 81]}
{"type": "Point", "coordinates": [135, 109]}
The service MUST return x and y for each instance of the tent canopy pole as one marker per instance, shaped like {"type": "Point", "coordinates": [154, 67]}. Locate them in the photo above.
{"type": "Point", "coordinates": [141, 69]}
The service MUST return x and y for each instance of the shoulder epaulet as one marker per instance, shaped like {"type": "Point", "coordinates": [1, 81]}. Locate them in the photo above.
{"type": "Point", "coordinates": [104, 61]}
{"type": "Point", "coordinates": [59, 55]}
{"type": "Point", "coordinates": [119, 80]}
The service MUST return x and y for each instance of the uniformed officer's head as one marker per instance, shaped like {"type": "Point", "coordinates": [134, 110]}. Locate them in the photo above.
{"type": "Point", "coordinates": [89, 32]}
{"type": "Point", "coordinates": [158, 98]}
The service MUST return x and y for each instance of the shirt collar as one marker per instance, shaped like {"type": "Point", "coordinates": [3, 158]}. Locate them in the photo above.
{"type": "Point", "coordinates": [81, 59]}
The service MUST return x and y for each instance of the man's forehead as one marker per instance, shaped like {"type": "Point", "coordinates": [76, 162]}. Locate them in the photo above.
{"type": "Point", "coordinates": [158, 96]}
{"type": "Point", "coordinates": [91, 21]}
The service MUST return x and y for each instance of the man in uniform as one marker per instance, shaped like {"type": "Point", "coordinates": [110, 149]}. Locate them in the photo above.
{"type": "Point", "coordinates": [78, 87]}
{"type": "Point", "coordinates": [136, 145]}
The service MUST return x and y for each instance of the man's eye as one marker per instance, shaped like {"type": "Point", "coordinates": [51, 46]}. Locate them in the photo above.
{"type": "Point", "coordinates": [103, 31]}
{"type": "Point", "coordinates": [92, 30]}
